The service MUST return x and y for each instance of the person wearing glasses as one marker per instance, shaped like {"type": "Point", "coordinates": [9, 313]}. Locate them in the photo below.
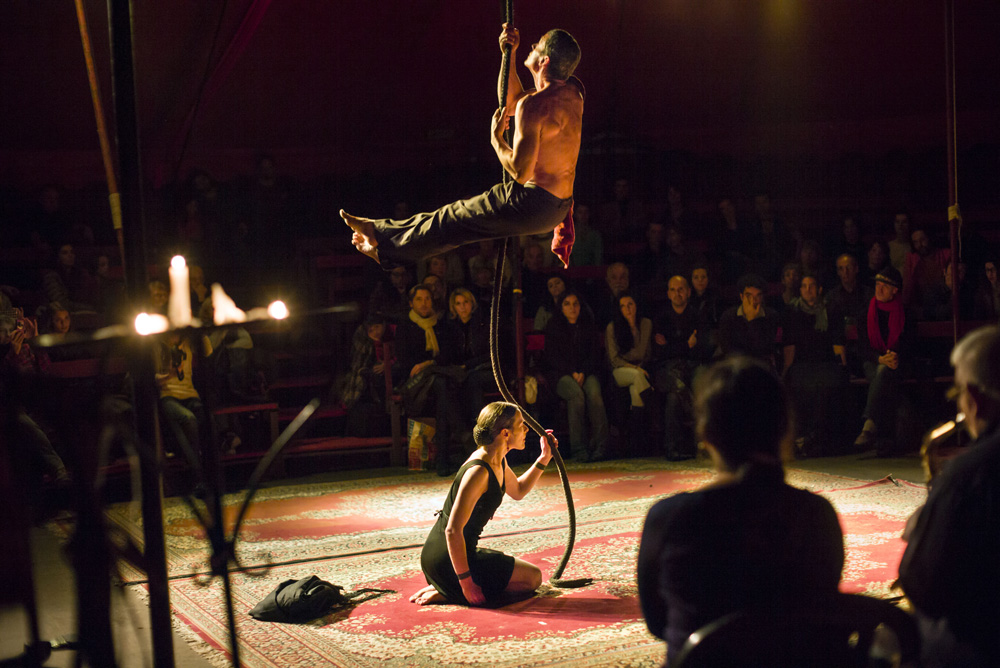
{"type": "Point", "coordinates": [950, 570]}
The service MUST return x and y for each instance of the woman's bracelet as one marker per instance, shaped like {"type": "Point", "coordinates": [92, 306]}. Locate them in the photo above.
{"type": "Point", "coordinates": [466, 574]}
{"type": "Point", "coordinates": [540, 467]}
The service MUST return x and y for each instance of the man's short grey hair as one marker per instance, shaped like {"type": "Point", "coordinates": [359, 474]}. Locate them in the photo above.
{"type": "Point", "coordinates": [978, 355]}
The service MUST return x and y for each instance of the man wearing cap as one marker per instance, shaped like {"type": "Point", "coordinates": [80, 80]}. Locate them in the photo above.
{"type": "Point", "coordinates": [884, 336]}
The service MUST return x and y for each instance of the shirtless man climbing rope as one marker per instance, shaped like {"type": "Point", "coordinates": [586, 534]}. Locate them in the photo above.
{"type": "Point", "coordinates": [542, 165]}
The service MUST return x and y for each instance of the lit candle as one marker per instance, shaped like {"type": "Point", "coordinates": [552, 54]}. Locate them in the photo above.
{"type": "Point", "coordinates": [179, 306]}
{"type": "Point", "coordinates": [150, 323]}
{"type": "Point", "coordinates": [224, 307]}
{"type": "Point", "coordinates": [277, 310]}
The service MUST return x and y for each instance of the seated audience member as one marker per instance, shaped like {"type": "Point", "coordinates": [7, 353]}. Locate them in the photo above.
{"type": "Point", "coordinates": [937, 305]}
{"type": "Point", "coordinates": [987, 300]}
{"type": "Point", "coordinates": [48, 223]}
{"type": "Point", "coordinates": [899, 246]}
{"type": "Point", "coordinates": [923, 272]}
{"type": "Point", "coordinates": [679, 216]}
{"type": "Point", "coordinates": [621, 219]}
{"type": "Point", "coordinates": [588, 249]}
{"type": "Point", "coordinates": [364, 382]}
{"type": "Point", "coordinates": [791, 279]}
{"type": "Point", "coordinates": [750, 328]}
{"type": "Point", "coordinates": [773, 242]}
{"type": "Point", "coordinates": [423, 352]}
{"type": "Point", "coordinates": [627, 339]}
{"type": "Point", "coordinates": [885, 336]}
{"type": "Point", "coordinates": [447, 266]}
{"type": "Point", "coordinates": [811, 261]}
{"type": "Point", "coordinates": [877, 258]}
{"type": "Point", "coordinates": [815, 369]}
{"type": "Point", "coordinates": [679, 259]}
{"type": "Point", "coordinates": [682, 346]}
{"type": "Point", "coordinates": [555, 287]}
{"type": "Point", "coordinates": [704, 297]}
{"type": "Point", "coordinates": [849, 239]}
{"type": "Point", "coordinates": [532, 279]}
{"type": "Point", "coordinates": [648, 262]}
{"type": "Point", "coordinates": [180, 404]}
{"type": "Point", "coordinates": [68, 284]}
{"type": "Point", "coordinates": [850, 297]}
{"type": "Point", "coordinates": [6, 305]}
{"type": "Point", "coordinates": [159, 295]}
{"type": "Point", "coordinates": [572, 361]}
{"type": "Point", "coordinates": [616, 281]}
{"type": "Point", "coordinates": [200, 292]}
{"type": "Point", "coordinates": [59, 324]}
{"type": "Point", "coordinates": [747, 541]}
{"type": "Point", "coordinates": [734, 242]}
{"type": "Point", "coordinates": [482, 287]}
{"type": "Point", "coordinates": [487, 257]}
{"type": "Point", "coordinates": [17, 357]}
{"type": "Point", "coordinates": [470, 336]}
{"type": "Point", "coordinates": [949, 571]}
{"type": "Point", "coordinates": [110, 290]}
{"type": "Point", "coordinates": [438, 292]}
{"type": "Point", "coordinates": [392, 298]}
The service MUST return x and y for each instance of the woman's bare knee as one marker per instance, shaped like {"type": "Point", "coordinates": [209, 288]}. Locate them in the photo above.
{"type": "Point", "coordinates": [526, 577]}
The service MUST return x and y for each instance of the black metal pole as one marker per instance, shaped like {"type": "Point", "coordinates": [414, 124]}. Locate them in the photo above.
{"type": "Point", "coordinates": [141, 363]}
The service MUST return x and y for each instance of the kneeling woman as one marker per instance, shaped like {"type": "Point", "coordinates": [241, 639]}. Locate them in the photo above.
{"type": "Point", "coordinates": [458, 571]}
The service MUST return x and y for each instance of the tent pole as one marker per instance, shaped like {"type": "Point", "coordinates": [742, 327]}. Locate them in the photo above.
{"type": "Point", "coordinates": [141, 357]}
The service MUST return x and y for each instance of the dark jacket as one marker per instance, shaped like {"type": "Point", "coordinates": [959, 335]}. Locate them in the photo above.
{"type": "Point", "coordinates": [950, 568]}
{"type": "Point", "coordinates": [570, 349]}
{"type": "Point", "coordinates": [758, 544]}
{"type": "Point", "coordinates": [737, 336]}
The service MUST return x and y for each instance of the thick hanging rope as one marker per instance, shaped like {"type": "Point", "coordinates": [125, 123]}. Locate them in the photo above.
{"type": "Point", "coordinates": [114, 198]}
{"type": "Point", "coordinates": [495, 356]}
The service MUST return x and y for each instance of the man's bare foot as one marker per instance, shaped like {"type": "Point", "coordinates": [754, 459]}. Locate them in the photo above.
{"type": "Point", "coordinates": [427, 596]}
{"type": "Point", "coordinates": [364, 234]}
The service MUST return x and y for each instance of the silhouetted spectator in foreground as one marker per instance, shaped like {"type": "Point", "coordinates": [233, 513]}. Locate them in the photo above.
{"type": "Point", "coordinates": [747, 541]}
{"type": "Point", "coordinates": [950, 571]}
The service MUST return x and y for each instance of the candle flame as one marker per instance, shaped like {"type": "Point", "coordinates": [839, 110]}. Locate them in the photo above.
{"type": "Point", "coordinates": [151, 323]}
{"type": "Point", "coordinates": [178, 262]}
{"type": "Point", "coordinates": [225, 308]}
{"type": "Point", "coordinates": [278, 310]}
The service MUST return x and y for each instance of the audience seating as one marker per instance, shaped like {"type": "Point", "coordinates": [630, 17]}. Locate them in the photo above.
{"type": "Point", "coordinates": [850, 631]}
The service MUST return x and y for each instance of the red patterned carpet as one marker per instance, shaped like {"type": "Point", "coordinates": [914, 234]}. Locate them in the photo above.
{"type": "Point", "coordinates": [369, 533]}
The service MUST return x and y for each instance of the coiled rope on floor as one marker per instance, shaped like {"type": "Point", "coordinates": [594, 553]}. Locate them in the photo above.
{"type": "Point", "coordinates": [495, 355]}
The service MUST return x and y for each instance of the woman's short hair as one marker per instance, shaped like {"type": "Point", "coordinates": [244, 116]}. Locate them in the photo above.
{"type": "Point", "coordinates": [463, 292]}
{"type": "Point", "coordinates": [743, 410]}
{"type": "Point", "coordinates": [493, 419]}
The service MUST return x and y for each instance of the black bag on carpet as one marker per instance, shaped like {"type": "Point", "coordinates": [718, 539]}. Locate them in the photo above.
{"type": "Point", "coordinates": [299, 601]}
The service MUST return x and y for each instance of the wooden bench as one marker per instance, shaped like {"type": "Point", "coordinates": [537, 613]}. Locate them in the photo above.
{"type": "Point", "coordinates": [269, 409]}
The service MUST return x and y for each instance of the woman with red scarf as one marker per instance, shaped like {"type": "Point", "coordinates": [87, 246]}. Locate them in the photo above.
{"type": "Point", "coordinates": [884, 338]}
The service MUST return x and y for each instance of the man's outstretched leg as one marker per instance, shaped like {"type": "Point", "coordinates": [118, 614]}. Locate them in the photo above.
{"type": "Point", "coordinates": [504, 210]}
{"type": "Point", "coordinates": [364, 234]}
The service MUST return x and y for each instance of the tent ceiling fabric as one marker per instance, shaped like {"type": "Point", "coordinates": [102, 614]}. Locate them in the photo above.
{"type": "Point", "coordinates": [405, 84]}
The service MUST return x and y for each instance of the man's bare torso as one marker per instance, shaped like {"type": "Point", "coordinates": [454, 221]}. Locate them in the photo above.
{"type": "Point", "coordinates": [559, 106]}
